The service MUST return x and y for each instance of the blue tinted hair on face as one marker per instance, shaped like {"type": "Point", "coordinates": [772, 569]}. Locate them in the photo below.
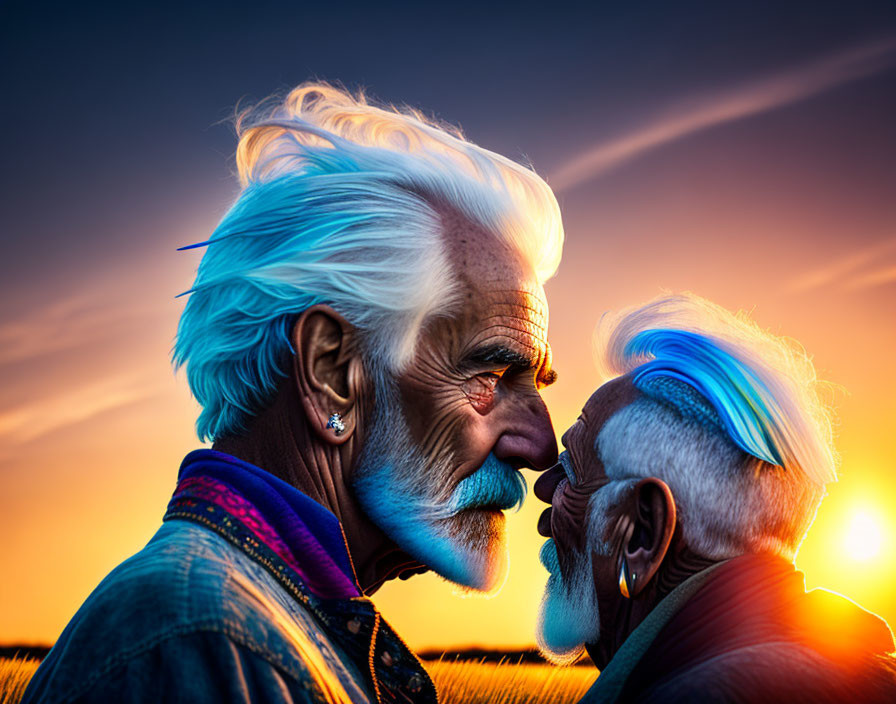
{"type": "Point", "coordinates": [739, 398]}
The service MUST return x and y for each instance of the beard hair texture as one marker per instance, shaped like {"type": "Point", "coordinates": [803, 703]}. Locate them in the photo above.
{"type": "Point", "coordinates": [458, 532]}
{"type": "Point", "coordinates": [569, 617]}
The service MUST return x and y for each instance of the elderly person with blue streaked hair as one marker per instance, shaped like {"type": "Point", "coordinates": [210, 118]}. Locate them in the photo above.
{"type": "Point", "coordinates": [687, 484]}
{"type": "Point", "coordinates": [367, 339]}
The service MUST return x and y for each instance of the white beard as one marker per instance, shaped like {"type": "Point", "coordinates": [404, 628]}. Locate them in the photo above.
{"type": "Point", "coordinates": [405, 495]}
{"type": "Point", "coordinates": [569, 617]}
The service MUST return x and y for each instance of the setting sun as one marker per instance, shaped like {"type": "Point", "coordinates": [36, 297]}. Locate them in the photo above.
{"type": "Point", "coordinates": [863, 536]}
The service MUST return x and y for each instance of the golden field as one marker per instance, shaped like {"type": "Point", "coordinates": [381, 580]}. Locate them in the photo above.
{"type": "Point", "coordinates": [457, 682]}
{"type": "Point", "coordinates": [473, 682]}
{"type": "Point", "coordinates": [14, 676]}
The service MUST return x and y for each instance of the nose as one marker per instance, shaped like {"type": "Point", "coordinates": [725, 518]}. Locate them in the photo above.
{"type": "Point", "coordinates": [546, 484]}
{"type": "Point", "coordinates": [530, 437]}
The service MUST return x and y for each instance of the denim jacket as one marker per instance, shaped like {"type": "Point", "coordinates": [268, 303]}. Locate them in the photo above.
{"type": "Point", "coordinates": [245, 594]}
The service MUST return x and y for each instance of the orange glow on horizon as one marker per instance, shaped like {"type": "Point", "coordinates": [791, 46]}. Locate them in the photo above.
{"type": "Point", "coordinates": [89, 489]}
{"type": "Point", "coordinates": [776, 220]}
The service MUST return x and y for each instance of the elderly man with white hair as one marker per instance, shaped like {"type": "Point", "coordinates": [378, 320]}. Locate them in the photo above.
{"type": "Point", "coordinates": [686, 487]}
{"type": "Point", "coordinates": [367, 338]}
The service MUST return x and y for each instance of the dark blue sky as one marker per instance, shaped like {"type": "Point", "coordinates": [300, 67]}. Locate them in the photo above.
{"type": "Point", "coordinates": [112, 113]}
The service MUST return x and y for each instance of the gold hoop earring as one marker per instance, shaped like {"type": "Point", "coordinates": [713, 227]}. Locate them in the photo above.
{"type": "Point", "coordinates": [626, 582]}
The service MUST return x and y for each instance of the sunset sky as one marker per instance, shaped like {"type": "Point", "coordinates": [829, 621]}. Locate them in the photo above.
{"type": "Point", "coordinates": [741, 150]}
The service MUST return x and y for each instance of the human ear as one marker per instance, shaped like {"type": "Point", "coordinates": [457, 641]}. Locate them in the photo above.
{"type": "Point", "coordinates": [653, 524]}
{"type": "Point", "coordinates": [328, 371]}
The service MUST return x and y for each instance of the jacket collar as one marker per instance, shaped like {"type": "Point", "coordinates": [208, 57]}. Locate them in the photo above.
{"type": "Point", "coordinates": [612, 679]}
{"type": "Point", "coordinates": [302, 545]}
{"type": "Point", "coordinates": [296, 529]}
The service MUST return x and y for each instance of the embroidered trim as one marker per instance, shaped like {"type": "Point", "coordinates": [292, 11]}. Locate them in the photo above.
{"type": "Point", "coordinates": [233, 532]}
{"type": "Point", "coordinates": [220, 494]}
{"type": "Point", "coordinates": [371, 657]}
{"type": "Point", "coordinates": [213, 504]}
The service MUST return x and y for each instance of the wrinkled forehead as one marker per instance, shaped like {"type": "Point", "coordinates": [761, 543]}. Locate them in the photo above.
{"type": "Point", "coordinates": [580, 439]}
{"type": "Point", "coordinates": [494, 280]}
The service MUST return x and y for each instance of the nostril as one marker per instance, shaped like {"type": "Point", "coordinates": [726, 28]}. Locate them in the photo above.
{"type": "Point", "coordinates": [544, 457]}
{"type": "Point", "coordinates": [520, 451]}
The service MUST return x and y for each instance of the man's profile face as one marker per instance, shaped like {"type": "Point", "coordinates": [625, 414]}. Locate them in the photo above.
{"type": "Point", "coordinates": [471, 412]}
{"type": "Point", "coordinates": [578, 555]}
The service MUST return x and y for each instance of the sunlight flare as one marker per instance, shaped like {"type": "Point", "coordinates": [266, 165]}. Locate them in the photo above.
{"type": "Point", "coordinates": [863, 536]}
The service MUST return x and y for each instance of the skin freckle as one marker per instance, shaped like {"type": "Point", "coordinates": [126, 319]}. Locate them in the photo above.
{"type": "Point", "coordinates": [473, 383]}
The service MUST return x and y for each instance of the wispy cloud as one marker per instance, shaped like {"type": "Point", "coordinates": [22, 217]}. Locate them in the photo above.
{"type": "Point", "coordinates": [756, 97]}
{"type": "Point", "coordinates": [64, 324]}
{"type": "Point", "coordinates": [32, 420]}
{"type": "Point", "coordinates": [879, 277]}
{"type": "Point", "coordinates": [843, 268]}
{"type": "Point", "coordinates": [851, 271]}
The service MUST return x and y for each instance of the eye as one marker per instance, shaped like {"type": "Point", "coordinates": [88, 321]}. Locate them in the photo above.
{"type": "Point", "coordinates": [480, 390]}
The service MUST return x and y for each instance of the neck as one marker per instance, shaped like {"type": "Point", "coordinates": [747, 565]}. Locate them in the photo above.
{"type": "Point", "coordinates": [280, 440]}
{"type": "Point", "coordinates": [625, 615]}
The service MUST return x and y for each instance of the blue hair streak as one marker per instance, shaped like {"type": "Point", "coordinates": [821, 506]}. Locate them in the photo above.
{"type": "Point", "coordinates": [744, 407]}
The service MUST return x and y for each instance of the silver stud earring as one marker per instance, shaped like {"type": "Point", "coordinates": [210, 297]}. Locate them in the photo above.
{"type": "Point", "coordinates": [335, 422]}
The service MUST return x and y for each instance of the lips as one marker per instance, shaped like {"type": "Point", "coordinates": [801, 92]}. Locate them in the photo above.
{"type": "Point", "coordinates": [483, 508]}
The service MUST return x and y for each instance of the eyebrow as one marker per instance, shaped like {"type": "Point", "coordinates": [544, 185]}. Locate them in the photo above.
{"type": "Point", "coordinates": [499, 355]}
{"type": "Point", "coordinates": [548, 377]}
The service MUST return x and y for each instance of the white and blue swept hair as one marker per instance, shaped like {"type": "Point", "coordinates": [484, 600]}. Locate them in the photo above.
{"type": "Point", "coordinates": [731, 419]}
{"type": "Point", "coordinates": [343, 203]}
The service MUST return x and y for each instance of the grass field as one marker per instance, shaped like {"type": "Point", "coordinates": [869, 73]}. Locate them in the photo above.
{"type": "Point", "coordinates": [457, 682]}
{"type": "Point", "coordinates": [14, 676]}
{"type": "Point", "coordinates": [509, 683]}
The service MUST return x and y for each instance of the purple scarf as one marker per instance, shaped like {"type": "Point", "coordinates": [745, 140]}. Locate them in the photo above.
{"type": "Point", "coordinates": [265, 515]}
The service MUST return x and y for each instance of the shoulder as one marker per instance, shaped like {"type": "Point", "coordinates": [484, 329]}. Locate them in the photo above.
{"type": "Point", "coordinates": [203, 667]}
{"type": "Point", "coordinates": [179, 580]}
{"type": "Point", "coordinates": [188, 591]}
{"type": "Point", "coordinates": [777, 672]}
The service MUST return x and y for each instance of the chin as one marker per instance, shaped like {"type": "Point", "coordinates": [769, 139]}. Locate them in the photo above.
{"type": "Point", "coordinates": [567, 620]}
{"type": "Point", "coordinates": [456, 531]}
{"type": "Point", "coordinates": [481, 562]}
{"type": "Point", "coordinates": [468, 548]}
